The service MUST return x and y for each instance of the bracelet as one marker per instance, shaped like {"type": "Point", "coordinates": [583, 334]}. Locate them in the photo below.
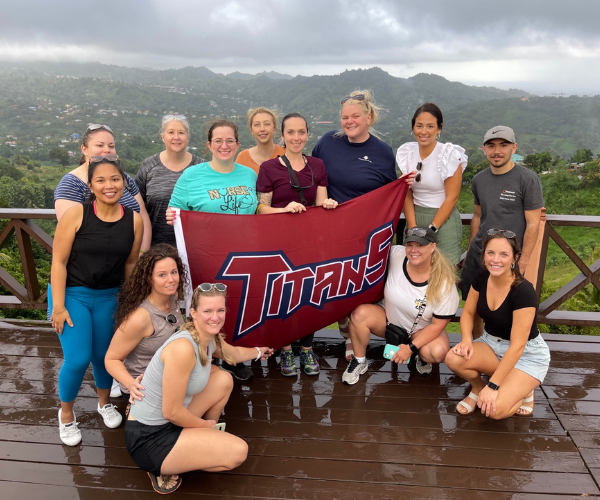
{"type": "Point", "coordinates": [258, 207]}
{"type": "Point", "coordinates": [259, 354]}
{"type": "Point", "coordinates": [58, 312]}
{"type": "Point", "coordinates": [142, 251]}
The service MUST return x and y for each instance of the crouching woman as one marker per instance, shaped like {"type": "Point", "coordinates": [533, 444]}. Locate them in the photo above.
{"type": "Point", "coordinates": [511, 350]}
{"type": "Point", "coordinates": [420, 299]}
{"type": "Point", "coordinates": [173, 431]}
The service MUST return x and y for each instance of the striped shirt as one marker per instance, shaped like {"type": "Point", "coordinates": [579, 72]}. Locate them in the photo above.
{"type": "Point", "coordinates": [72, 188]}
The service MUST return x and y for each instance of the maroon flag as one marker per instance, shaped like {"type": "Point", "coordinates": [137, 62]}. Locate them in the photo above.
{"type": "Point", "coordinates": [288, 275]}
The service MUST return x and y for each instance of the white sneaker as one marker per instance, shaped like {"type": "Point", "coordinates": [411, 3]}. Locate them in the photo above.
{"type": "Point", "coordinates": [115, 390]}
{"type": "Point", "coordinates": [69, 433]}
{"type": "Point", "coordinates": [353, 371]}
{"type": "Point", "coordinates": [112, 418]}
{"type": "Point", "coordinates": [422, 367]}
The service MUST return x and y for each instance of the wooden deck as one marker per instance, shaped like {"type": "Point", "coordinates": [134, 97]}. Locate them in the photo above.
{"type": "Point", "coordinates": [392, 435]}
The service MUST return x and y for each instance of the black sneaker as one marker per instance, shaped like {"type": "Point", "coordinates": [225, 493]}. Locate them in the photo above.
{"type": "Point", "coordinates": [239, 371]}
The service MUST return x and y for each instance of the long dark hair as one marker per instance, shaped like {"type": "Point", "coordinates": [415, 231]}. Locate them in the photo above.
{"type": "Point", "coordinates": [516, 248]}
{"type": "Point", "coordinates": [139, 285]}
{"type": "Point", "coordinates": [431, 108]}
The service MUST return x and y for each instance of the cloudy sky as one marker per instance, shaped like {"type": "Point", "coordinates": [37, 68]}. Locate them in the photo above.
{"type": "Point", "coordinates": [542, 46]}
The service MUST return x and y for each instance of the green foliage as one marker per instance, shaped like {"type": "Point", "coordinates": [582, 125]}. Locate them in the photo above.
{"type": "Point", "coordinates": [582, 156]}
{"type": "Point", "coordinates": [59, 155]}
{"type": "Point", "coordinates": [538, 162]}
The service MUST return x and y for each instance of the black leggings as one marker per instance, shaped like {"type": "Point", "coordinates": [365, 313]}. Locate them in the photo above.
{"type": "Point", "coordinates": [307, 341]}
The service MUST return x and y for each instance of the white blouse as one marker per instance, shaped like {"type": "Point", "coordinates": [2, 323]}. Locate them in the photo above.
{"type": "Point", "coordinates": [440, 165]}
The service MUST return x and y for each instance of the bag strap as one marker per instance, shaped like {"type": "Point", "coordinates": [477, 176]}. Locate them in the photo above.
{"type": "Point", "coordinates": [292, 172]}
{"type": "Point", "coordinates": [422, 308]}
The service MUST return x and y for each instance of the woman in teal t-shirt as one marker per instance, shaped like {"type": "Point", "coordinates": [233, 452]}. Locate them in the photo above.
{"type": "Point", "coordinates": [219, 186]}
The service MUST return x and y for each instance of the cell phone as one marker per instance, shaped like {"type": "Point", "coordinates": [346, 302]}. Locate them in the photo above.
{"type": "Point", "coordinates": [390, 350]}
{"type": "Point", "coordinates": [220, 426]}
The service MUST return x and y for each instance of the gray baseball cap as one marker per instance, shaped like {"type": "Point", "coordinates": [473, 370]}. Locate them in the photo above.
{"type": "Point", "coordinates": [500, 132]}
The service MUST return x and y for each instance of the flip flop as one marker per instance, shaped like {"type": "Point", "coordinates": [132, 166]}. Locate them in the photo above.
{"type": "Point", "coordinates": [160, 488]}
{"type": "Point", "coordinates": [467, 406]}
{"type": "Point", "coordinates": [526, 410]}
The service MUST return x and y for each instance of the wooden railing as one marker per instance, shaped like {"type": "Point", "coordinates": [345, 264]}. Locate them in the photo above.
{"type": "Point", "coordinates": [22, 226]}
{"type": "Point", "coordinates": [20, 223]}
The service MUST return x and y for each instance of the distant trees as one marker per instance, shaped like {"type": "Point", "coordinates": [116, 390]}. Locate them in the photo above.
{"type": "Point", "coordinates": [582, 156]}
{"type": "Point", "coordinates": [538, 162]}
{"type": "Point", "coordinates": [59, 155]}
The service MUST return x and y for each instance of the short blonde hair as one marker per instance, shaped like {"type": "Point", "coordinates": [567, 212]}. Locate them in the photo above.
{"type": "Point", "coordinates": [251, 113]}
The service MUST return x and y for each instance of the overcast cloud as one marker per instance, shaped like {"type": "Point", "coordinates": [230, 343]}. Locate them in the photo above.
{"type": "Point", "coordinates": [542, 46]}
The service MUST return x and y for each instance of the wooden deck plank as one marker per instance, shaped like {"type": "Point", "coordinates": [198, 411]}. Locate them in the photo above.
{"type": "Point", "coordinates": [391, 435]}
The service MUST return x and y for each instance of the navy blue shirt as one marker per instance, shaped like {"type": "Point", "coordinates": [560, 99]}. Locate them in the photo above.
{"type": "Point", "coordinates": [354, 169]}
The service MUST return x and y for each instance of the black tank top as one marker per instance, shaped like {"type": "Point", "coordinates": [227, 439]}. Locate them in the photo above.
{"type": "Point", "coordinates": [100, 250]}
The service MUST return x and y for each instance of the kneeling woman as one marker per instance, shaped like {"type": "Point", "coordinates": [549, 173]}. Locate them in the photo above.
{"type": "Point", "coordinates": [420, 297]}
{"type": "Point", "coordinates": [171, 432]}
{"type": "Point", "coordinates": [511, 351]}
{"type": "Point", "coordinates": [147, 316]}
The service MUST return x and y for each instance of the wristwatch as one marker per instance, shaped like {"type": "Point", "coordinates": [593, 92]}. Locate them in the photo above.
{"type": "Point", "coordinates": [492, 386]}
{"type": "Point", "coordinates": [413, 348]}
{"type": "Point", "coordinates": [433, 227]}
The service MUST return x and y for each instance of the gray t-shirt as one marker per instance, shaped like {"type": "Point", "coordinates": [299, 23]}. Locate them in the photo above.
{"type": "Point", "coordinates": [149, 410]}
{"type": "Point", "coordinates": [504, 198]}
{"type": "Point", "coordinates": [156, 183]}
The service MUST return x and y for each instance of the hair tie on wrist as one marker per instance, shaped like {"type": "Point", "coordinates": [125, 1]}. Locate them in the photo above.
{"type": "Point", "coordinates": [259, 354]}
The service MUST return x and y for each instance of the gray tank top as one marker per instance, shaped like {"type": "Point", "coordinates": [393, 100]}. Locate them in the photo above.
{"type": "Point", "coordinates": [138, 359]}
{"type": "Point", "coordinates": [149, 409]}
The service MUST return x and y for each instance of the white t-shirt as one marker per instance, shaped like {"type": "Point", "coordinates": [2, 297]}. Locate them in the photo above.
{"type": "Point", "coordinates": [403, 298]}
{"type": "Point", "coordinates": [441, 164]}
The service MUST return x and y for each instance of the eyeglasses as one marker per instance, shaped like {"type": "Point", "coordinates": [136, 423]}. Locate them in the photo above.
{"type": "Point", "coordinates": [98, 126]}
{"type": "Point", "coordinates": [419, 168]}
{"type": "Point", "coordinates": [106, 158]}
{"type": "Point", "coordinates": [207, 287]}
{"type": "Point", "coordinates": [312, 180]}
{"type": "Point", "coordinates": [355, 97]}
{"type": "Point", "coordinates": [219, 142]}
{"type": "Point", "coordinates": [503, 232]}
{"type": "Point", "coordinates": [171, 318]}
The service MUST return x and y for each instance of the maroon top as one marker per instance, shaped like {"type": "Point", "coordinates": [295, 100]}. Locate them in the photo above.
{"type": "Point", "coordinates": [273, 177]}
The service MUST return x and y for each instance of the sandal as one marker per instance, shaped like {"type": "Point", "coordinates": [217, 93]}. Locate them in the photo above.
{"type": "Point", "coordinates": [524, 410]}
{"type": "Point", "coordinates": [470, 409]}
{"type": "Point", "coordinates": [164, 481]}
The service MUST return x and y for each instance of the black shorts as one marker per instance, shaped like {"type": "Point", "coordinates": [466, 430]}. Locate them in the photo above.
{"type": "Point", "coordinates": [149, 445]}
{"type": "Point", "coordinates": [470, 267]}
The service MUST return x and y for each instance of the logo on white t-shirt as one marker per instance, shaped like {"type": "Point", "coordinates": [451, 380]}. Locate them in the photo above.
{"type": "Point", "coordinates": [365, 158]}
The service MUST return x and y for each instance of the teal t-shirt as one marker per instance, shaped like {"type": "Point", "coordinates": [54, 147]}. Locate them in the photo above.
{"type": "Point", "coordinates": [201, 189]}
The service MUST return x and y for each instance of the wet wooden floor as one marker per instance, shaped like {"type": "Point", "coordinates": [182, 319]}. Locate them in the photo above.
{"type": "Point", "coordinates": [392, 435]}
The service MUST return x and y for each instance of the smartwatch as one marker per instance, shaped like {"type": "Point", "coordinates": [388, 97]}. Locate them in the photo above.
{"type": "Point", "coordinates": [413, 348]}
{"type": "Point", "coordinates": [433, 227]}
{"type": "Point", "coordinates": [492, 386]}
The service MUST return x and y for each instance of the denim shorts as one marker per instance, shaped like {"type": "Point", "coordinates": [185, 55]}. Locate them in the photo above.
{"type": "Point", "coordinates": [535, 359]}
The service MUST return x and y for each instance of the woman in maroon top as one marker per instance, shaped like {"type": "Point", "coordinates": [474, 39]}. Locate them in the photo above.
{"type": "Point", "coordinates": [290, 183]}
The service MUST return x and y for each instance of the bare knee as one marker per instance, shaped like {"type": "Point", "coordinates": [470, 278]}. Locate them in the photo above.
{"type": "Point", "coordinates": [237, 454]}
{"type": "Point", "coordinates": [223, 382]}
{"type": "Point", "coordinates": [360, 315]}
{"type": "Point", "coordinates": [453, 361]}
{"type": "Point", "coordinates": [437, 353]}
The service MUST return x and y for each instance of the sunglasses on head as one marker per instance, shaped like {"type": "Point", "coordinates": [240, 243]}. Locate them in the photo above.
{"type": "Point", "coordinates": [207, 287]}
{"type": "Point", "coordinates": [416, 231]}
{"type": "Point", "coordinates": [114, 159]}
{"type": "Point", "coordinates": [503, 232]}
{"type": "Point", "coordinates": [355, 97]}
{"type": "Point", "coordinates": [98, 126]}
{"type": "Point", "coordinates": [172, 116]}
{"type": "Point", "coordinates": [419, 168]}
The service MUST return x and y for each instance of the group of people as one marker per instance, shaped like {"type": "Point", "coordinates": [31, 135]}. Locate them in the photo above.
{"type": "Point", "coordinates": [117, 279]}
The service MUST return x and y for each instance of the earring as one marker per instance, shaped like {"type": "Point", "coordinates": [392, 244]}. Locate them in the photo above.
{"type": "Point", "coordinates": [512, 266]}
{"type": "Point", "coordinates": [437, 137]}
{"type": "Point", "coordinates": [412, 134]}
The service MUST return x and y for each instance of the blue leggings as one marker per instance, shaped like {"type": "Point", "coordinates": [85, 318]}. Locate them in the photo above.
{"type": "Point", "coordinates": [92, 313]}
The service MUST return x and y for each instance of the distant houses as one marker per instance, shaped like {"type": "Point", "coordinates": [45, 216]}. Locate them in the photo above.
{"type": "Point", "coordinates": [517, 159]}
